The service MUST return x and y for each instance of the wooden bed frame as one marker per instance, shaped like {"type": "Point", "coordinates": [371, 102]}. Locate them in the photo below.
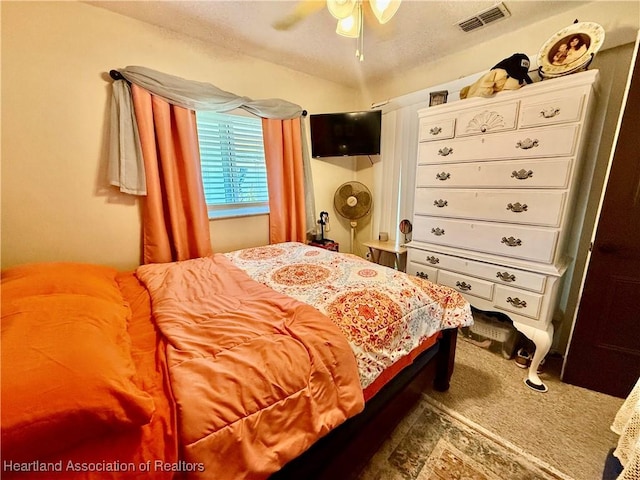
{"type": "Point", "coordinates": [345, 451]}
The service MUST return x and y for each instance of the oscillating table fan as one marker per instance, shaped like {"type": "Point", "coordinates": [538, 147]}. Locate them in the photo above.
{"type": "Point", "coordinates": [352, 201]}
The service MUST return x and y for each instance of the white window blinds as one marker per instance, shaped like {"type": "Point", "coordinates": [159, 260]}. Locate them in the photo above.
{"type": "Point", "coordinates": [233, 165]}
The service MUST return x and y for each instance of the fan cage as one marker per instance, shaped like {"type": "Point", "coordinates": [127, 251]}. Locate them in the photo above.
{"type": "Point", "coordinates": [360, 192]}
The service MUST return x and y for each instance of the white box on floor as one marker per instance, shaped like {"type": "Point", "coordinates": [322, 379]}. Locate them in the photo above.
{"type": "Point", "coordinates": [493, 334]}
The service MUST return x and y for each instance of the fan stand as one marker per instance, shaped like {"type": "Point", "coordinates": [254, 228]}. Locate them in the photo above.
{"type": "Point", "coordinates": [353, 234]}
{"type": "Point", "coordinates": [352, 201]}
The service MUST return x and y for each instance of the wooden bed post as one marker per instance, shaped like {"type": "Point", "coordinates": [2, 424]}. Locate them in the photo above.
{"type": "Point", "coordinates": [445, 359]}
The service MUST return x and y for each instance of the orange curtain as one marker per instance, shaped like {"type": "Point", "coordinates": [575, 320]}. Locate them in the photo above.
{"type": "Point", "coordinates": [285, 178]}
{"type": "Point", "coordinates": [175, 219]}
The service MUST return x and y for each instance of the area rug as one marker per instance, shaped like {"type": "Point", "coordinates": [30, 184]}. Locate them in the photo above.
{"type": "Point", "coordinates": [436, 443]}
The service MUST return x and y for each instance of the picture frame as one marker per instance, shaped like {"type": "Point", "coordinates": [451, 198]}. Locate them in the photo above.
{"type": "Point", "coordinates": [570, 50]}
{"type": "Point", "coordinates": [438, 98]}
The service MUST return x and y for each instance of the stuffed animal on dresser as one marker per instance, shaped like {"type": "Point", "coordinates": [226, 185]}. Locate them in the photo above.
{"type": "Point", "coordinates": [509, 74]}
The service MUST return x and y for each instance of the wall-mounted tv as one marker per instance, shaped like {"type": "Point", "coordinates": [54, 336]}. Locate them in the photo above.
{"type": "Point", "coordinates": [345, 134]}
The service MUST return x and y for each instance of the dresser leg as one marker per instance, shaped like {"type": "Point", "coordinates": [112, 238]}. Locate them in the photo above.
{"type": "Point", "coordinates": [542, 339]}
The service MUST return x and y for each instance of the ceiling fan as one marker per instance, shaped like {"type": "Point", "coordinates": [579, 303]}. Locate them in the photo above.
{"type": "Point", "coordinates": [349, 14]}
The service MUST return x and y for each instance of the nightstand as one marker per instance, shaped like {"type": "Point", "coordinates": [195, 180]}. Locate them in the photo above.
{"type": "Point", "coordinates": [327, 245]}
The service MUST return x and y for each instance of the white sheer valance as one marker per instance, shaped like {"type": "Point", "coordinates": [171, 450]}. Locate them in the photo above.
{"type": "Point", "coordinates": [204, 96]}
{"type": "Point", "coordinates": [126, 168]}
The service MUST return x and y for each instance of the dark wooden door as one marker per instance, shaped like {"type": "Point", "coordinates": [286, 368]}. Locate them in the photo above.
{"type": "Point", "coordinates": [604, 353]}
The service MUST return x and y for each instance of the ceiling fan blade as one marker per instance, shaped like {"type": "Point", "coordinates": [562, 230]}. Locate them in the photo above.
{"type": "Point", "coordinates": [384, 10]}
{"type": "Point", "coordinates": [383, 31]}
{"type": "Point", "coordinates": [302, 10]}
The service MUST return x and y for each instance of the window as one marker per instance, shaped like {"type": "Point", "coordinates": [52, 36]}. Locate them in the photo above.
{"type": "Point", "coordinates": [234, 174]}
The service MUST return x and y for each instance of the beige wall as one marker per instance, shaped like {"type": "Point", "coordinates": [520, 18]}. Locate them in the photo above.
{"type": "Point", "coordinates": [55, 94]}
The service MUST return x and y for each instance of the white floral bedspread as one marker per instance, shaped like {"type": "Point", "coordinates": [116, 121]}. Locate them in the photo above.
{"type": "Point", "coordinates": [384, 313]}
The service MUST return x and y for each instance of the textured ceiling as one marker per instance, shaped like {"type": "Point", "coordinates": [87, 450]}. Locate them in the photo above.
{"type": "Point", "coordinates": [420, 32]}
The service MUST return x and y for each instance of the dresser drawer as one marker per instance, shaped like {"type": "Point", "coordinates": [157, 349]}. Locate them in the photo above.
{"type": "Point", "coordinates": [421, 259]}
{"type": "Point", "coordinates": [519, 174]}
{"type": "Point", "coordinates": [518, 301]}
{"type": "Point", "coordinates": [529, 243]}
{"type": "Point", "coordinates": [544, 110]}
{"type": "Point", "coordinates": [430, 130]}
{"type": "Point", "coordinates": [497, 118]}
{"type": "Point", "coordinates": [422, 271]}
{"type": "Point", "coordinates": [532, 207]}
{"type": "Point", "coordinates": [530, 143]}
{"type": "Point", "coordinates": [427, 258]}
{"type": "Point", "coordinates": [464, 284]}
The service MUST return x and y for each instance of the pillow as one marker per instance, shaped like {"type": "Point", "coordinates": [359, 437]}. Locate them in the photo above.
{"type": "Point", "coordinates": [66, 363]}
{"type": "Point", "coordinates": [61, 277]}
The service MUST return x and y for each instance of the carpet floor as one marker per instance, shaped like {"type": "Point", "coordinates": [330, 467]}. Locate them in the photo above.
{"type": "Point", "coordinates": [490, 426]}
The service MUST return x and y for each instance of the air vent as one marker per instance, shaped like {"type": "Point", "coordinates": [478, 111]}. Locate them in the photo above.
{"type": "Point", "coordinates": [497, 12]}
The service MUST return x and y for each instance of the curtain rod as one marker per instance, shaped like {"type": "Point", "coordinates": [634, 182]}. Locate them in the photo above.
{"type": "Point", "coordinates": [116, 75]}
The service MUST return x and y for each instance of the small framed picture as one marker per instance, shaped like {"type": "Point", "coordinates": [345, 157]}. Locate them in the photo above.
{"type": "Point", "coordinates": [438, 98]}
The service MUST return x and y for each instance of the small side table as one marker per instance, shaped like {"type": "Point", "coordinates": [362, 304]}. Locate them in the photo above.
{"type": "Point", "coordinates": [376, 247]}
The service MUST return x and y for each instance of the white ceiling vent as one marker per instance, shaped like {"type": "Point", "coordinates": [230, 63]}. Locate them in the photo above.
{"type": "Point", "coordinates": [497, 12]}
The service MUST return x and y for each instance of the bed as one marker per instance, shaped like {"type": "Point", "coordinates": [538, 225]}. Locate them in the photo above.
{"type": "Point", "coordinates": [265, 362]}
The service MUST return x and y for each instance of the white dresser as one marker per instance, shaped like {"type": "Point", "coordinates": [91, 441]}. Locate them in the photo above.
{"type": "Point", "coordinates": [495, 187]}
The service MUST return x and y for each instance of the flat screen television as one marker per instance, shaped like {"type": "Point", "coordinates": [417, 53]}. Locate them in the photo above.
{"type": "Point", "coordinates": [345, 134]}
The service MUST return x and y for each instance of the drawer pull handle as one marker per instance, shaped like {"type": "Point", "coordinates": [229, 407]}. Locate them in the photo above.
{"type": "Point", "coordinates": [522, 174]}
{"type": "Point", "coordinates": [440, 203]}
{"type": "Point", "coordinates": [516, 302]}
{"type": "Point", "coordinates": [550, 112]}
{"type": "Point", "coordinates": [432, 260]}
{"type": "Point", "coordinates": [506, 277]}
{"type": "Point", "coordinates": [527, 143]}
{"type": "Point", "coordinates": [445, 151]}
{"type": "Point", "coordinates": [435, 130]}
{"type": "Point", "coordinates": [437, 231]}
{"type": "Point", "coordinates": [463, 286]}
{"type": "Point", "coordinates": [517, 207]}
{"type": "Point", "coordinates": [511, 242]}
{"type": "Point", "coordinates": [422, 275]}
{"type": "Point", "coordinates": [443, 176]}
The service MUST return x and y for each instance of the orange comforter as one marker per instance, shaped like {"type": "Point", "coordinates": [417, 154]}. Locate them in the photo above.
{"type": "Point", "coordinates": [149, 451]}
{"type": "Point", "coordinates": [257, 376]}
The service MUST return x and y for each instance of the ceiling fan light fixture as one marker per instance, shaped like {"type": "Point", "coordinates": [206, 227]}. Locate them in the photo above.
{"type": "Point", "coordinates": [349, 26]}
{"type": "Point", "coordinates": [341, 9]}
{"type": "Point", "coordinates": [352, 25]}
{"type": "Point", "coordinates": [384, 10]}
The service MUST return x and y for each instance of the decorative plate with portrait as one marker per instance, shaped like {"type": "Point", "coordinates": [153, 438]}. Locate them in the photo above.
{"type": "Point", "coordinates": [570, 49]}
